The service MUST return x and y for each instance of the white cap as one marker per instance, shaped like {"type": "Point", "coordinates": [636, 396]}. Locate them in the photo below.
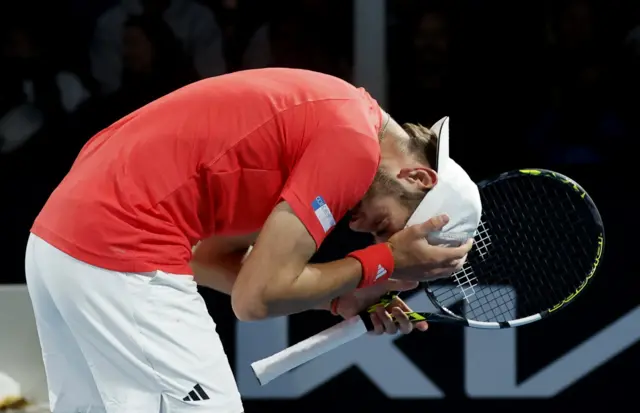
{"type": "Point", "coordinates": [454, 194]}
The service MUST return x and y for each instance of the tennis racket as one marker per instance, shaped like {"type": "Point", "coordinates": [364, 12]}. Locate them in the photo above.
{"type": "Point", "coordinates": [539, 244]}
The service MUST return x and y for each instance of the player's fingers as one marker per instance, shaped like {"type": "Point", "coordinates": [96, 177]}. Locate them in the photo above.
{"type": "Point", "coordinates": [390, 326]}
{"type": "Point", "coordinates": [458, 264]}
{"type": "Point", "coordinates": [440, 273]}
{"type": "Point", "coordinates": [421, 326]}
{"type": "Point", "coordinates": [451, 254]}
{"type": "Point", "coordinates": [403, 322]}
{"type": "Point", "coordinates": [446, 270]}
{"type": "Point", "coordinates": [462, 251]}
{"type": "Point", "coordinates": [433, 224]}
{"type": "Point", "coordinates": [399, 303]}
{"type": "Point", "coordinates": [378, 328]}
{"type": "Point", "coordinates": [453, 266]}
{"type": "Point", "coordinates": [402, 308]}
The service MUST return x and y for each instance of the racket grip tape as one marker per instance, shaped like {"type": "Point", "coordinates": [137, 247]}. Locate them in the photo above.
{"type": "Point", "coordinates": [303, 352]}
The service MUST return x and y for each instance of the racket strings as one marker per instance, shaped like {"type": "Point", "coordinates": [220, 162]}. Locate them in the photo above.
{"type": "Point", "coordinates": [530, 229]}
{"type": "Point", "coordinates": [543, 279]}
{"type": "Point", "coordinates": [569, 228]}
{"type": "Point", "coordinates": [465, 279]}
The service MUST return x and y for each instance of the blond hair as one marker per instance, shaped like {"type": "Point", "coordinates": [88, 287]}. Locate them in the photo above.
{"type": "Point", "coordinates": [423, 143]}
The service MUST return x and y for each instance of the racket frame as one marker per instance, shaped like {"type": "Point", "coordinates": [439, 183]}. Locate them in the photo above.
{"type": "Point", "coordinates": [449, 317]}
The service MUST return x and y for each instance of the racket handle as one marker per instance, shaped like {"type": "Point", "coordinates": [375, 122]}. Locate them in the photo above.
{"type": "Point", "coordinates": [288, 359]}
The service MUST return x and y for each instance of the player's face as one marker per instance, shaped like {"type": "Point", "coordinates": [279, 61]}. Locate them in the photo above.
{"type": "Point", "coordinates": [389, 203]}
{"type": "Point", "coordinates": [382, 216]}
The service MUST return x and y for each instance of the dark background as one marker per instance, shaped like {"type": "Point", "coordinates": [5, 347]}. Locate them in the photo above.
{"type": "Point", "coordinates": [546, 84]}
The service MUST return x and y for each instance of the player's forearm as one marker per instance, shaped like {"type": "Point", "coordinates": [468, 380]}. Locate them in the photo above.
{"type": "Point", "coordinates": [314, 288]}
{"type": "Point", "coordinates": [220, 275]}
{"type": "Point", "coordinates": [222, 278]}
{"type": "Point", "coordinates": [216, 261]}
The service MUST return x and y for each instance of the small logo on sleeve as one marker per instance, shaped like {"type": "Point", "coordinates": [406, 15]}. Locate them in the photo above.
{"type": "Point", "coordinates": [323, 213]}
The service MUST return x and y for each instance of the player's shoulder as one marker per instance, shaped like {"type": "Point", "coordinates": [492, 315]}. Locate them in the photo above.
{"type": "Point", "coordinates": [282, 89]}
{"type": "Point", "coordinates": [299, 84]}
{"type": "Point", "coordinates": [292, 75]}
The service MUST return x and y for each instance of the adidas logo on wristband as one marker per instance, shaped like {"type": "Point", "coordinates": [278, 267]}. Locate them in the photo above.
{"type": "Point", "coordinates": [377, 264]}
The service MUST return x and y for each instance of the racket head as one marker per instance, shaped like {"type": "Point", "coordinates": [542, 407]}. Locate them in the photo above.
{"type": "Point", "coordinates": [539, 244]}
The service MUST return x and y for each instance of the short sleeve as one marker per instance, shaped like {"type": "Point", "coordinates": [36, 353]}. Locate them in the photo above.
{"type": "Point", "coordinates": [331, 177]}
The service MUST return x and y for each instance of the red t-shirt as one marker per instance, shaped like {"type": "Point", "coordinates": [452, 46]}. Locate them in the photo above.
{"type": "Point", "coordinates": [215, 157]}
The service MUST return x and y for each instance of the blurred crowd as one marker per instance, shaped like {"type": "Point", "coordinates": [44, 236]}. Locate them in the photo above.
{"type": "Point", "coordinates": [562, 75]}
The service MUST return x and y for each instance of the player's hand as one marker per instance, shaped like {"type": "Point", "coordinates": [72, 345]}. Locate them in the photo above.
{"type": "Point", "coordinates": [417, 260]}
{"type": "Point", "coordinates": [349, 305]}
{"type": "Point", "coordinates": [392, 318]}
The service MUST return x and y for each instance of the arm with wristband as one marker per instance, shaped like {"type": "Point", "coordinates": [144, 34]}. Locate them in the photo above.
{"type": "Point", "coordinates": [217, 261]}
{"type": "Point", "coordinates": [276, 278]}
{"type": "Point", "coordinates": [331, 176]}
{"type": "Point", "coordinates": [377, 265]}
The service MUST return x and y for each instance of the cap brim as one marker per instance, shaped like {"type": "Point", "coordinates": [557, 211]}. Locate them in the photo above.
{"type": "Point", "coordinates": [441, 129]}
{"type": "Point", "coordinates": [454, 194]}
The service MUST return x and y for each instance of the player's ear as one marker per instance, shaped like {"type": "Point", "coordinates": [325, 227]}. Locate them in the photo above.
{"type": "Point", "coordinates": [422, 178]}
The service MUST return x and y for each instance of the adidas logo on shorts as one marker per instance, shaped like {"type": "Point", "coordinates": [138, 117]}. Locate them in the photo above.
{"type": "Point", "coordinates": [196, 394]}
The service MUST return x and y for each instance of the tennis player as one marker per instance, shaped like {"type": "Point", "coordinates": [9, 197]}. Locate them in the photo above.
{"type": "Point", "coordinates": [270, 158]}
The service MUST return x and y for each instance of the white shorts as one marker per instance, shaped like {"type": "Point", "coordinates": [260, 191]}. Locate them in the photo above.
{"type": "Point", "coordinates": [125, 343]}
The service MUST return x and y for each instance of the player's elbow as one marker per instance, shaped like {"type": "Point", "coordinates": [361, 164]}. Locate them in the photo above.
{"type": "Point", "coordinates": [248, 307]}
{"type": "Point", "coordinates": [254, 304]}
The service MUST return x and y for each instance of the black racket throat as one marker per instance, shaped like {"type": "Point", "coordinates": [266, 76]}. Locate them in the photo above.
{"type": "Point", "coordinates": [416, 317]}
